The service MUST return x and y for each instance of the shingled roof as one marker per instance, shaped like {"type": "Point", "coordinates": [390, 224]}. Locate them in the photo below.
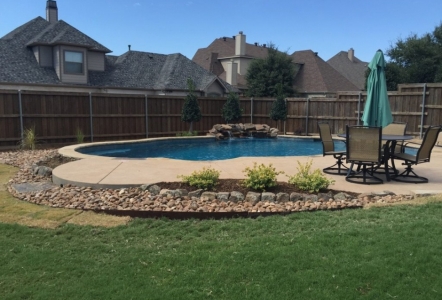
{"type": "Point", "coordinates": [17, 61]}
{"type": "Point", "coordinates": [135, 69]}
{"type": "Point", "coordinates": [224, 47]}
{"type": "Point", "coordinates": [354, 70]}
{"type": "Point", "coordinates": [315, 75]}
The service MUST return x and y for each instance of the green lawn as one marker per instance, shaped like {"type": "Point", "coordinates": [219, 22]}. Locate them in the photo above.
{"type": "Point", "coordinates": [378, 253]}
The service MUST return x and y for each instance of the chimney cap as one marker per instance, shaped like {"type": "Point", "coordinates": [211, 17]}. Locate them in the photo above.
{"type": "Point", "coordinates": [240, 32]}
{"type": "Point", "coordinates": [51, 4]}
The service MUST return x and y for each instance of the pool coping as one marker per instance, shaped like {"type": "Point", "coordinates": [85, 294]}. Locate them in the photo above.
{"type": "Point", "coordinates": [108, 172]}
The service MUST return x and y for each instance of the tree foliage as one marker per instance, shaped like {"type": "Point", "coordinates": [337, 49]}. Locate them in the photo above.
{"type": "Point", "coordinates": [279, 106]}
{"type": "Point", "coordinates": [415, 59]}
{"type": "Point", "coordinates": [231, 110]}
{"type": "Point", "coordinates": [264, 74]}
{"type": "Point", "coordinates": [191, 111]}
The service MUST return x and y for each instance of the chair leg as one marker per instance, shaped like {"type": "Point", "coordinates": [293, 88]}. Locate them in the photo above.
{"type": "Point", "coordinates": [408, 175]}
{"type": "Point", "coordinates": [364, 175]}
{"type": "Point", "coordinates": [338, 168]}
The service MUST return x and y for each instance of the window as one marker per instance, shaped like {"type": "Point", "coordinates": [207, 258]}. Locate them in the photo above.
{"type": "Point", "coordinates": [73, 62]}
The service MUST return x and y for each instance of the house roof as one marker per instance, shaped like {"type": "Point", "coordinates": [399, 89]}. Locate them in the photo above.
{"type": "Point", "coordinates": [315, 75]}
{"type": "Point", "coordinates": [224, 47]}
{"type": "Point", "coordinates": [17, 62]}
{"type": "Point", "coordinates": [133, 69]}
{"type": "Point", "coordinates": [63, 33]}
{"type": "Point", "coordinates": [136, 69]}
{"type": "Point", "coordinates": [354, 70]}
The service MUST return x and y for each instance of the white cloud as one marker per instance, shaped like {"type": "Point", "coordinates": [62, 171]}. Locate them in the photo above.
{"type": "Point", "coordinates": [137, 4]}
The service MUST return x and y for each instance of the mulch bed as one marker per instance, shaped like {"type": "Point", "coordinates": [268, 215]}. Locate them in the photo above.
{"type": "Point", "coordinates": [224, 185]}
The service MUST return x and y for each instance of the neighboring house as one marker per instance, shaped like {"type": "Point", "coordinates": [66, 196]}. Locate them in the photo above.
{"type": "Point", "coordinates": [229, 58]}
{"type": "Point", "coordinates": [352, 68]}
{"type": "Point", "coordinates": [316, 78]}
{"type": "Point", "coordinates": [52, 55]}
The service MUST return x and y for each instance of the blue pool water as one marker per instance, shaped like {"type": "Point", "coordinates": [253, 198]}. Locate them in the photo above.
{"type": "Point", "coordinates": [210, 149]}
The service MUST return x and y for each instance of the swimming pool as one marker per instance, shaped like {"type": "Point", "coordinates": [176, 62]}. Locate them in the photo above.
{"type": "Point", "coordinates": [202, 149]}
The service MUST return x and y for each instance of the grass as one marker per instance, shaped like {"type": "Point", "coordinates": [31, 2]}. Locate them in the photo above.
{"type": "Point", "coordinates": [377, 253]}
{"type": "Point", "coordinates": [24, 213]}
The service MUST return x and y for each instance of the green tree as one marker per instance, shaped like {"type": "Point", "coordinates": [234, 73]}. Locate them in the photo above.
{"type": "Point", "coordinates": [415, 59]}
{"type": "Point", "coordinates": [279, 107]}
{"type": "Point", "coordinates": [231, 110]}
{"type": "Point", "coordinates": [264, 74]}
{"type": "Point", "coordinates": [191, 111]}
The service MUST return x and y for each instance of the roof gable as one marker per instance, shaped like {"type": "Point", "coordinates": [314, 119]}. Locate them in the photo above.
{"type": "Point", "coordinates": [63, 33]}
{"type": "Point", "coordinates": [223, 48]}
{"type": "Point", "coordinates": [354, 70]}
{"type": "Point", "coordinates": [315, 75]}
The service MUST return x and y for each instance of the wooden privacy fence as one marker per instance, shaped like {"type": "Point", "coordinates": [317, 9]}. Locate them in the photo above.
{"type": "Point", "coordinates": [56, 116]}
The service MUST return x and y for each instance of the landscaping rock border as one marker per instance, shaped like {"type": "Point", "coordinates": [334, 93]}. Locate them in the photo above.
{"type": "Point", "coordinates": [151, 200]}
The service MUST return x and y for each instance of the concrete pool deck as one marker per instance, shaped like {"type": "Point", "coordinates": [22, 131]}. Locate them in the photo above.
{"type": "Point", "coordinates": [108, 172]}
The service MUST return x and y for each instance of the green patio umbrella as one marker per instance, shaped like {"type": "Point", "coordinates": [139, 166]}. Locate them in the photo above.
{"type": "Point", "coordinates": [377, 107]}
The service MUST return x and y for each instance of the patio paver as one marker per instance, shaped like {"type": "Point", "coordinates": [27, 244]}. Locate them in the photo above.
{"type": "Point", "coordinates": [106, 172]}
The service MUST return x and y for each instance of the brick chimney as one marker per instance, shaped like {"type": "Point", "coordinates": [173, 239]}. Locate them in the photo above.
{"type": "Point", "coordinates": [240, 44]}
{"type": "Point", "coordinates": [51, 11]}
{"type": "Point", "coordinates": [351, 54]}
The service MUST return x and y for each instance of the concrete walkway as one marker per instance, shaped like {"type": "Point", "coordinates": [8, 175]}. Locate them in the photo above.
{"type": "Point", "coordinates": [107, 172]}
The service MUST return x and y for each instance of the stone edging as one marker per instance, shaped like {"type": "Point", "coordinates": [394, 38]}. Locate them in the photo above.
{"type": "Point", "coordinates": [28, 186]}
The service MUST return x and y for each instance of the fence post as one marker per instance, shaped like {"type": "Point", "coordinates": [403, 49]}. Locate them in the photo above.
{"type": "Point", "coordinates": [423, 111]}
{"type": "Point", "coordinates": [306, 116]}
{"type": "Point", "coordinates": [285, 100]}
{"type": "Point", "coordinates": [21, 114]}
{"type": "Point", "coordinates": [251, 110]}
{"type": "Point", "coordinates": [91, 118]}
{"type": "Point", "coordinates": [359, 107]}
{"type": "Point", "coordinates": [146, 113]}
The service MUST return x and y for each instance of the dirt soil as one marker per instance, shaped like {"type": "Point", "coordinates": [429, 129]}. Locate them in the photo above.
{"type": "Point", "coordinates": [224, 185]}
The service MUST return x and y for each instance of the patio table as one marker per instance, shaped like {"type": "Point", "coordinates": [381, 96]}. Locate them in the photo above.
{"type": "Point", "coordinates": [390, 145]}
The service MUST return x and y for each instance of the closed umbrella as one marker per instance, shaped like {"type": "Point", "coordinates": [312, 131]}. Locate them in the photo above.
{"type": "Point", "coordinates": [377, 110]}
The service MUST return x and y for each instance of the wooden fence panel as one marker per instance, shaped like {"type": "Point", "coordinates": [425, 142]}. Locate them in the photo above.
{"type": "Point", "coordinates": [9, 118]}
{"type": "Point", "coordinates": [56, 116]}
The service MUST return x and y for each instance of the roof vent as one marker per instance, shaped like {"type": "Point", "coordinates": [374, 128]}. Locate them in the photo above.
{"type": "Point", "coordinates": [224, 38]}
{"type": "Point", "coordinates": [256, 44]}
{"type": "Point", "coordinates": [264, 45]}
{"type": "Point", "coordinates": [316, 53]}
{"type": "Point", "coordinates": [128, 47]}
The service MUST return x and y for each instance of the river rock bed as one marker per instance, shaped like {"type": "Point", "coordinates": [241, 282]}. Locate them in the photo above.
{"type": "Point", "coordinates": [33, 183]}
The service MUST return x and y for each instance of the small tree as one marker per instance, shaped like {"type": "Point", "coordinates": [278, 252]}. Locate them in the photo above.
{"type": "Point", "coordinates": [231, 110]}
{"type": "Point", "coordinates": [279, 107]}
{"type": "Point", "coordinates": [191, 111]}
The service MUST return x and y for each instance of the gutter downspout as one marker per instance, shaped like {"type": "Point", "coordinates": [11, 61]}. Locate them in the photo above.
{"type": "Point", "coordinates": [21, 114]}
{"type": "Point", "coordinates": [91, 119]}
{"type": "Point", "coordinates": [423, 111]}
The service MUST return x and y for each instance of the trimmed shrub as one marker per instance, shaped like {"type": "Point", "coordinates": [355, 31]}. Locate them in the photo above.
{"type": "Point", "coordinates": [260, 177]}
{"type": "Point", "coordinates": [307, 180]}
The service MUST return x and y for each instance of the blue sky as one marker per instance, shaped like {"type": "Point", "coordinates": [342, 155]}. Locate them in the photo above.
{"type": "Point", "coordinates": [171, 26]}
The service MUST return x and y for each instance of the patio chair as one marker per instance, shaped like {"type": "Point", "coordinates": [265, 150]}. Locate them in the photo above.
{"type": "Point", "coordinates": [395, 128]}
{"type": "Point", "coordinates": [364, 149]}
{"type": "Point", "coordinates": [422, 156]}
{"type": "Point", "coordinates": [328, 148]}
